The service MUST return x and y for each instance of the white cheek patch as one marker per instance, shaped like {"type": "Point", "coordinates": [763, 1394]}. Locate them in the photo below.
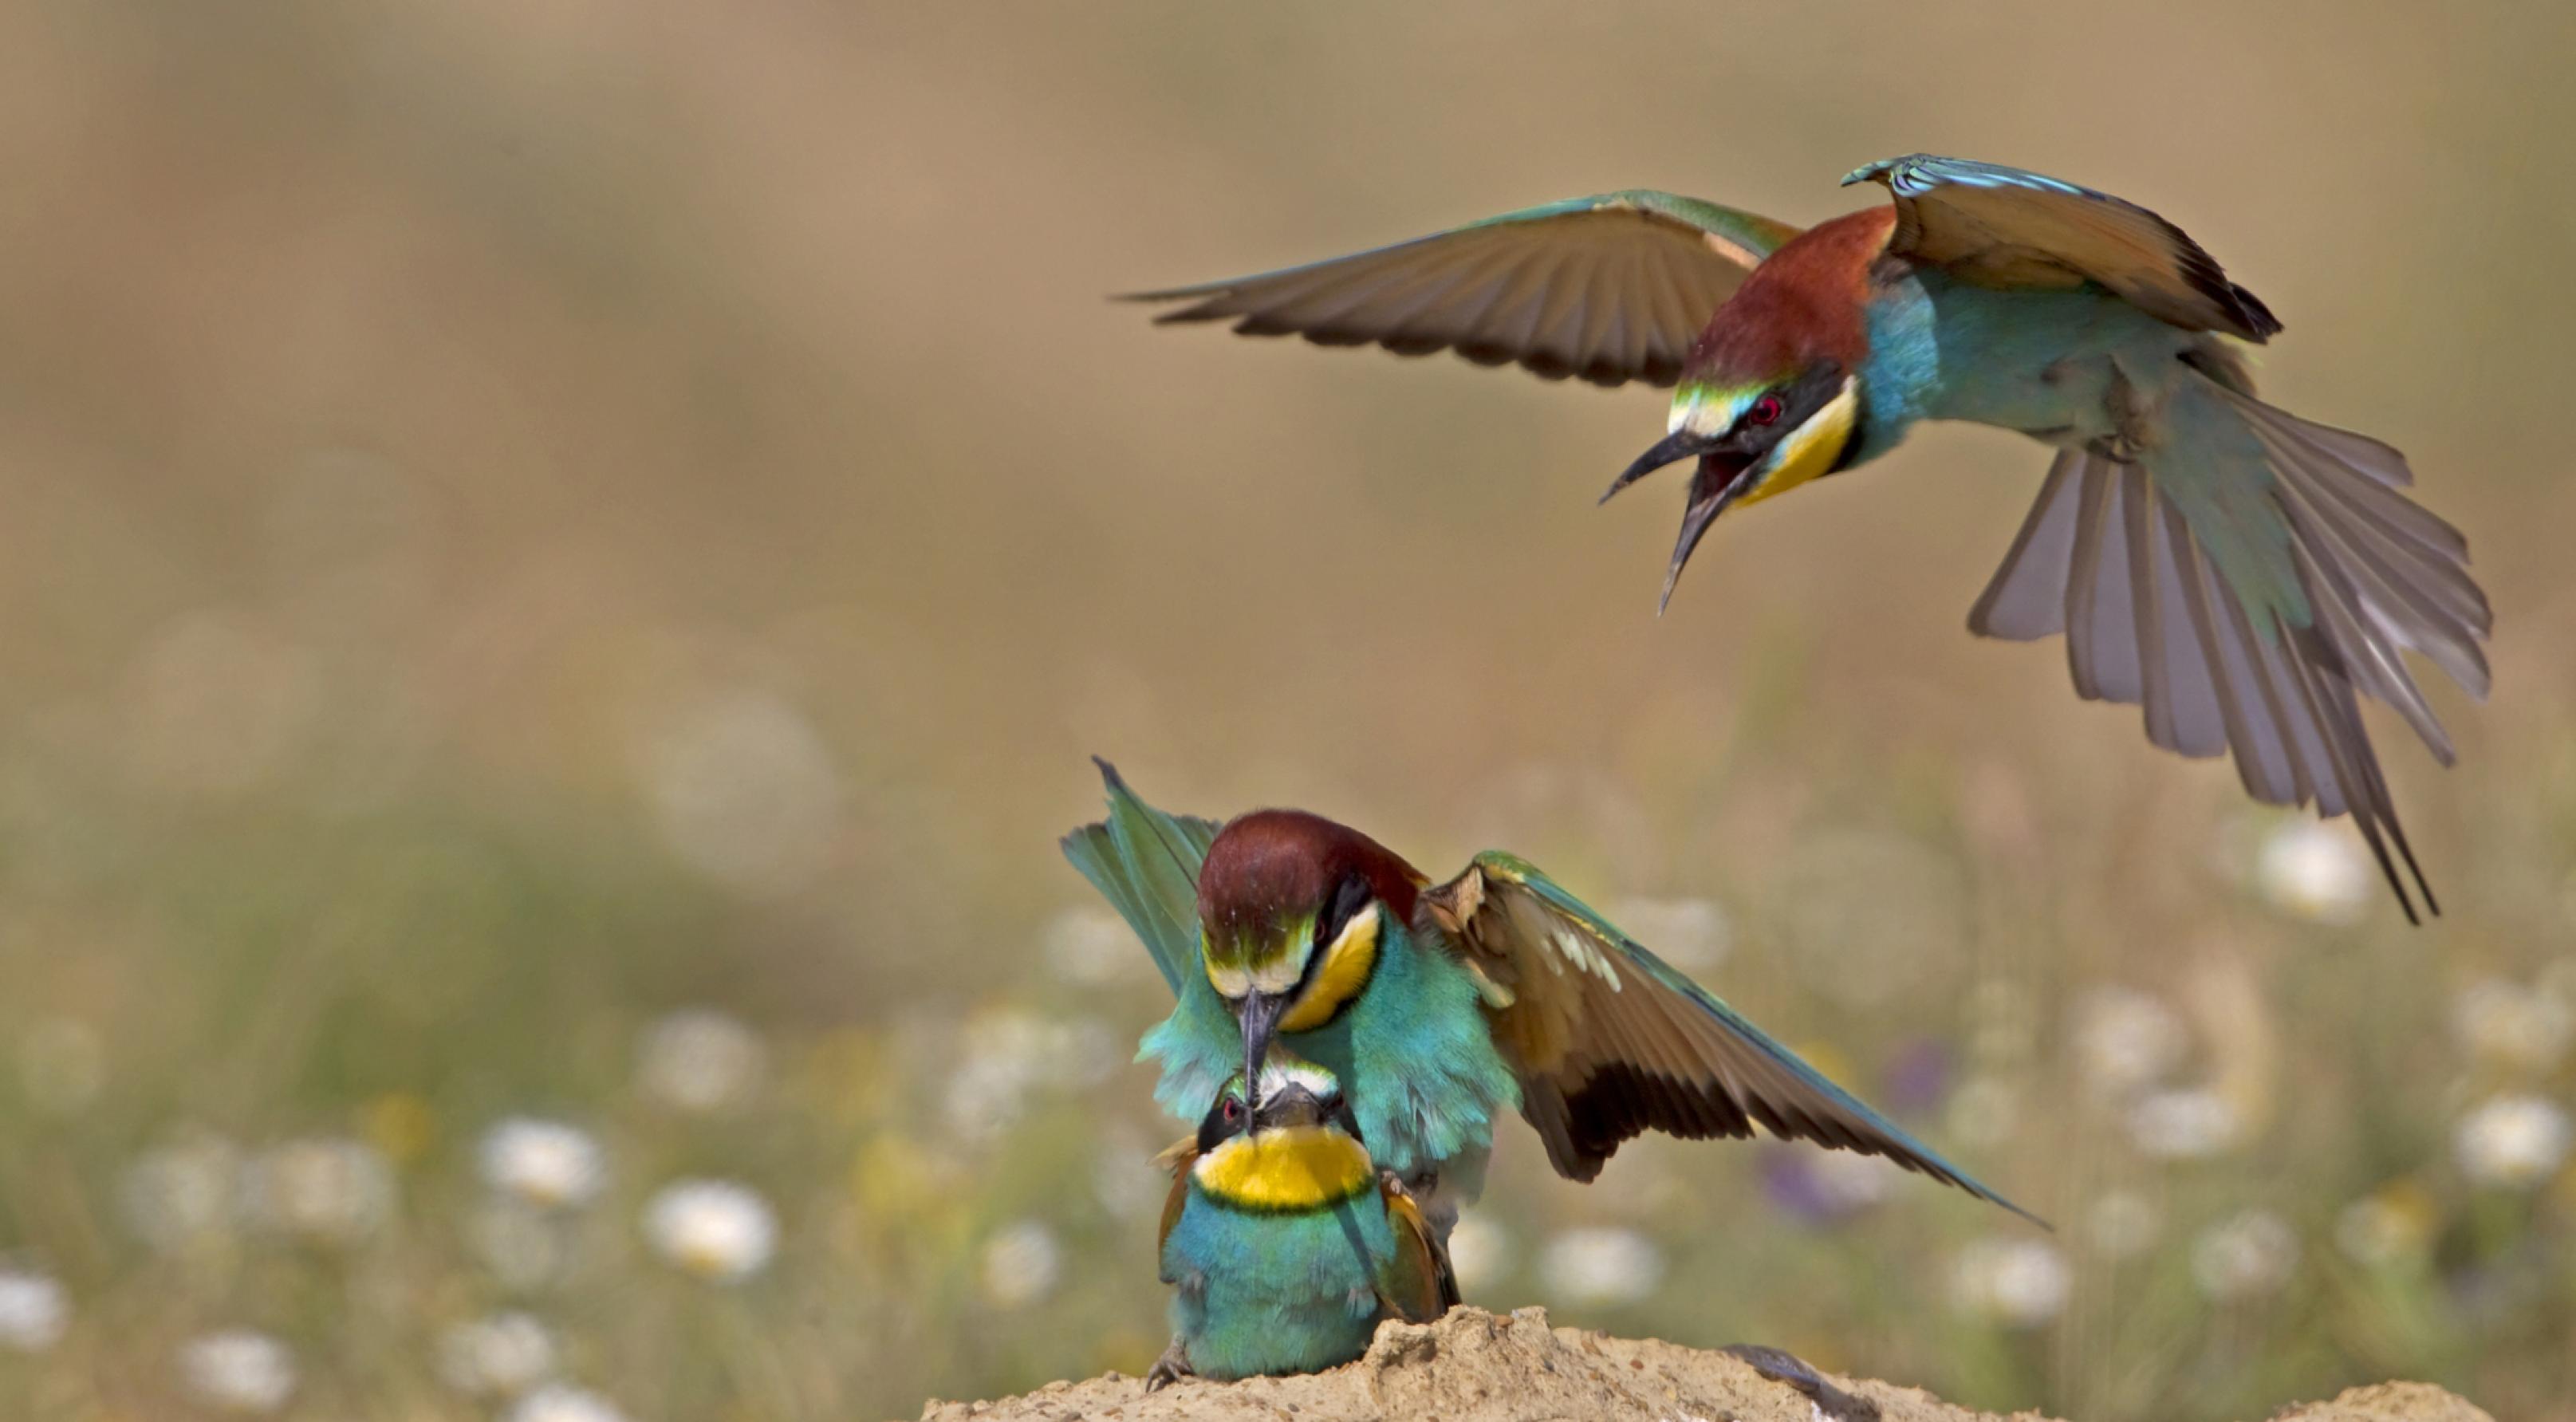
{"type": "Point", "coordinates": [1231, 983]}
{"type": "Point", "coordinates": [1282, 973]}
{"type": "Point", "coordinates": [1705, 412]}
{"type": "Point", "coordinates": [1277, 1076]}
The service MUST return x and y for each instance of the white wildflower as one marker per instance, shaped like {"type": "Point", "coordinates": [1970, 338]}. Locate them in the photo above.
{"type": "Point", "coordinates": [238, 1371]}
{"type": "Point", "coordinates": [503, 1355]}
{"type": "Point", "coordinates": [1601, 1266]}
{"type": "Point", "coordinates": [544, 1163]}
{"type": "Point", "coordinates": [557, 1403]}
{"type": "Point", "coordinates": [1006, 1055]}
{"type": "Point", "coordinates": [703, 1061]}
{"type": "Point", "coordinates": [33, 1311]}
{"type": "Point", "coordinates": [1847, 1181]}
{"type": "Point", "coordinates": [2246, 1255]}
{"type": "Point", "coordinates": [2128, 1040]}
{"type": "Point", "coordinates": [715, 1229]}
{"type": "Point", "coordinates": [331, 1189]}
{"type": "Point", "coordinates": [1020, 1264]}
{"type": "Point", "coordinates": [2515, 1142]}
{"type": "Point", "coordinates": [2123, 1224]}
{"type": "Point", "coordinates": [178, 1194]}
{"type": "Point", "coordinates": [2512, 1025]}
{"type": "Point", "coordinates": [2020, 1283]}
{"type": "Point", "coordinates": [2317, 871]}
{"type": "Point", "coordinates": [2183, 1125]}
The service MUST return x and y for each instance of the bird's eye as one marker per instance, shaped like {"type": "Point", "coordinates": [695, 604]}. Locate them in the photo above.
{"type": "Point", "coordinates": [1232, 1110]}
{"type": "Point", "coordinates": [1764, 411]}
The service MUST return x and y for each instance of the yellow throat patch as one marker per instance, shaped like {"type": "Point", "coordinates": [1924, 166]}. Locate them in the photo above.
{"type": "Point", "coordinates": [1811, 448]}
{"type": "Point", "coordinates": [1339, 978]}
{"type": "Point", "coordinates": [1294, 1168]}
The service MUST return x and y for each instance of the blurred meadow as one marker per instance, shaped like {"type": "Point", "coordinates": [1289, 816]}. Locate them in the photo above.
{"type": "Point", "coordinates": [562, 562]}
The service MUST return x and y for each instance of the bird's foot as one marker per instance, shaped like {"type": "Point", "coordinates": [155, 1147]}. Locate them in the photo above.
{"type": "Point", "coordinates": [1788, 1369]}
{"type": "Point", "coordinates": [1170, 1368]}
{"type": "Point", "coordinates": [1393, 1185]}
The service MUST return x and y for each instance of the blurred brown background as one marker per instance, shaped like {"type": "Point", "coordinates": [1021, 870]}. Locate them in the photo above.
{"type": "Point", "coordinates": [526, 519]}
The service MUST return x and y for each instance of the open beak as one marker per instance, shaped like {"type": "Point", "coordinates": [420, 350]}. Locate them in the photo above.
{"type": "Point", "coordinates": [1260, 1019]}
{"type": "Point", "coordinates": [1718, 481]}
{"type": "Point", "coordinates": [1671, 449]}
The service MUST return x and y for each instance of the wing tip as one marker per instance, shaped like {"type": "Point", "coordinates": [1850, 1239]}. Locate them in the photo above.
{"type": "Point", "coordinates": [1881, 171]}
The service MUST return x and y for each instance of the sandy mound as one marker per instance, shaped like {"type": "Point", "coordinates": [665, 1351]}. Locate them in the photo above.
{"type": "Point", "coordinates": [1475, 1366]}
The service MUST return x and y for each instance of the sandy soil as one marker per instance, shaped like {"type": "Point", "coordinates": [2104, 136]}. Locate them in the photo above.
{"type": "Point", "coordinates": [1475, 1366]}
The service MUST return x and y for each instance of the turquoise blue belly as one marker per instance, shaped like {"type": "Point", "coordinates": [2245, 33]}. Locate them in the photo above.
{"type": "Point", "coordinates": [1261, 1294]}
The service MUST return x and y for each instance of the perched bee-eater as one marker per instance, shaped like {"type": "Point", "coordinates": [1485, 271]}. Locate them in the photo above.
{"type": "Point", "coordinates": [1441, 1007]}
{"type": "Point", "coordinates": [2236, 571]}
{"type": "Point", "coordinates": [1283, 1242]}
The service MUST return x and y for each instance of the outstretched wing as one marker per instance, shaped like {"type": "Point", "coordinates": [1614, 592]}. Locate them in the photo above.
{"type": "Point", "coordinates": [1415, 1283]}
{"type": "Point", "coordinates": [1146, 863]}
{"type": "Point", "coordinates": [1998, 226]}
{"type": "Point", "coordinates": [1609, 1042]}
{"type": "Point", "coordinates": [1611, 288]}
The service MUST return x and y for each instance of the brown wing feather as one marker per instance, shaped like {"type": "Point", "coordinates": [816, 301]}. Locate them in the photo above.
{"type": "Point", "coordinates": [1609, 1043]}
{"type": "Point", "coordinates": [1998, 226]}
{"type": "Point", "coordinates": [1417, 1285]}
{"type": "Point", "coordinates": [1178, 1158]}
{"type": "Point", "coordinates": [1610, 289]}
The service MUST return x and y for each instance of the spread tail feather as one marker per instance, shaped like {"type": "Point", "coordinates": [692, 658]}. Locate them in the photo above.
{"type": "Point", "coordinates": [2145, 567]}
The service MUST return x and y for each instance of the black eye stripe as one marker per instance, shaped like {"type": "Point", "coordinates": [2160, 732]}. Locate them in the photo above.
{"type": "Point", "coordinates": [1349, 897]}
{"type": "Point", "coordinates": [1796, 402]}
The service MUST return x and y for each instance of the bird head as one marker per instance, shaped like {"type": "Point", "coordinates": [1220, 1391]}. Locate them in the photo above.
{"type": "Point", "coordinates": [1770, 396]}
{"type": "Point", "coordinates": [1299, 1148]}
{"type": "Point", "coordinates": [1294, 911]}
{"type": "Point", "coordinates": [1753, 439]}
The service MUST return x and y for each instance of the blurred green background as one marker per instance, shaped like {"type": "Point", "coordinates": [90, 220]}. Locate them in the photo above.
{"type": "Point", "coordinates": [562, 561]}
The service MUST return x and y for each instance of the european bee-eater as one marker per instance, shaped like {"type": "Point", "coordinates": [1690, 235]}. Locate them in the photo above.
{"type": "Point", "coordinates": [2236, 571]}
{"type": "Point", "coordinates": [1284, 1243]}
{"type": "Point", "coordinates": [1440, 1007]}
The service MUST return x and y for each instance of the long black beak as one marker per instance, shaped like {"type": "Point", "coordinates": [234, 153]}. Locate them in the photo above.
{"type": "Point", "coordinates": [1712, 489]}
{"type": "Point", "coordinates": [1260, 1019]}
{"type": "Point", "coordinates": [1671, 449]}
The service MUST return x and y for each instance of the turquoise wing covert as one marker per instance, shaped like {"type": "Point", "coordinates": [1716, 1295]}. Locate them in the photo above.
{"type": "Point", "coordinates": [1146, 863]}
{"type": "Point", "coordinates": [1610, 288]}
{"type": "Point", "coordinates": [1609, 1042]}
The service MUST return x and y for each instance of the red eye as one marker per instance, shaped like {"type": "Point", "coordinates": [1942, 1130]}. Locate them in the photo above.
{"type": "Point", "coordinates": [1764, 411]}
{"type": "Point", "coordinates": [1233, 1109]}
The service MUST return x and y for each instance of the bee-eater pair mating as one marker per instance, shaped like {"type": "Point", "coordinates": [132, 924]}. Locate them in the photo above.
{"type": "Point", "coordinates": [2239, 573]}
{"type": "Point", "coordinates": [1400, 1020]}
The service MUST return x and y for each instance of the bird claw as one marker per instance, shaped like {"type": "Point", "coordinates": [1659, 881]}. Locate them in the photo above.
{"type": "Point", "coordinates": [1393, 1185]}
{"type": "Point", "coordinates": [1170, 1368]}
{"type": "Point", "coordinates": [1788, 1369]}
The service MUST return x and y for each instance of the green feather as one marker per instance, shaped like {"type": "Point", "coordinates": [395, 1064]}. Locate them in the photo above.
{"type": "Point", "coordinates": [1146, 863]}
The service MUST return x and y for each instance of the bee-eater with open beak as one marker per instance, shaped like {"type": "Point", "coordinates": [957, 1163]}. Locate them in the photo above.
{"type": "Point", "coordinates": [1441, 1007]}
{"type": "Point", "coordinates": [2237, 572]}
{"type": "Point", "coordinates": [1284, 1243]}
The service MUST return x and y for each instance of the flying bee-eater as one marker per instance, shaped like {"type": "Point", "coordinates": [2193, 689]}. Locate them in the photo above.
{"type": "Point", "coordinates": [1441, 1007]}
{"type": "Point", "coordinates": [1284, 1243]}
{"type": "Point", "coordinates": [2237, 572]}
